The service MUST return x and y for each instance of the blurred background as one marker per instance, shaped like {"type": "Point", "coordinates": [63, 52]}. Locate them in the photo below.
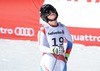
{"type": "Point", "coordinates": [19, 25]}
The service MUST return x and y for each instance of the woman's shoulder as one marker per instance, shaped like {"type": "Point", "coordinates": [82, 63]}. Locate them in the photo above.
{"type": "Point", "coordinates": [61, 24]}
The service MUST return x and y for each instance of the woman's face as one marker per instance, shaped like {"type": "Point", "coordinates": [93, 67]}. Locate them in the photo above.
{"type": "Point", "coordinates": [52, 15]}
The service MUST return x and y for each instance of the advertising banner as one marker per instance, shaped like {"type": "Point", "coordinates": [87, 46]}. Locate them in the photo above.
{"type": "Point", "coordinates": [20, 20]}
{"type": "Point", "coordinates": [86, 36]}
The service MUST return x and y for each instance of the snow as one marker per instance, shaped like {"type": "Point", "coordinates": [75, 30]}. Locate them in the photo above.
{"type": "Point", "coordinates": [18, 55]}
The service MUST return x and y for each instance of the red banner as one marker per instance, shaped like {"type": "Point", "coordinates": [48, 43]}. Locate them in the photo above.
{"type": "Point", "coordinates": [86, 36]}
{"type": "Point", "coordinates": [19, 20]}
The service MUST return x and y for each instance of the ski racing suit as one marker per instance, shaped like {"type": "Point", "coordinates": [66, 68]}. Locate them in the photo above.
{"type": "Point", "coordinates": [49, 37]}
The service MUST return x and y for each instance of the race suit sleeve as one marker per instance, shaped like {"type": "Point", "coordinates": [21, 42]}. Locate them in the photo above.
{"type": "Point", "coordinates": [42, 41]}
{"type": "Point", "coordinates": [68, 39]}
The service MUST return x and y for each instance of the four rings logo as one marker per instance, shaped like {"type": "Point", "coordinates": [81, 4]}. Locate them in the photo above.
{"type": "Point", "coordinates": [21, 31]}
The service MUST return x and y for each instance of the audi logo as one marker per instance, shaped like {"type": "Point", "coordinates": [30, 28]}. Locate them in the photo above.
{"type": "Point", "coordinates": [21, 31]}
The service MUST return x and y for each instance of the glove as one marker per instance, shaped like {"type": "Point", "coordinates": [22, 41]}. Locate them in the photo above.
{"type": "Point", "coordinates": [59, 50]}
{"type": "Point", "coordinates": [66, 57]}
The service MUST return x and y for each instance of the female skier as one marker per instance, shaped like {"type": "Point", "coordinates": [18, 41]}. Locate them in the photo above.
{"type": "Point", "coordinates": [51, 38]}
